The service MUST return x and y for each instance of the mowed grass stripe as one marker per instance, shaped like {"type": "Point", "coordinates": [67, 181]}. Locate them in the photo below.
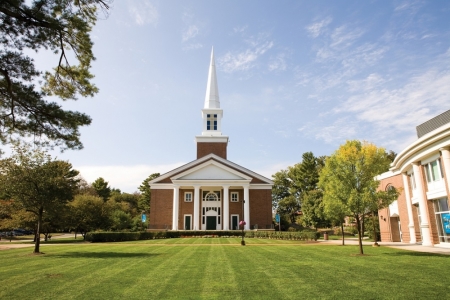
{"type": "Point", "coordinates": [190, 271]}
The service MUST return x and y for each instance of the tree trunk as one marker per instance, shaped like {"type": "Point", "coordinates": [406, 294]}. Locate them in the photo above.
{"type": "Point", "coordinates": [342, 233]}
{"type": "Point", "coordinates": [375, 237]}
{"type": "Point", "coordinates": [38, 231]}
{"type": "Point", "coordinates": [358, 224]}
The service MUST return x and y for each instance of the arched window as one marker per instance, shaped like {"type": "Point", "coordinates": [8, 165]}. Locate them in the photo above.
{"type": "Point", "coordinates": [389, 187]}
{"type": "Point", "coordinates": [211, 197]}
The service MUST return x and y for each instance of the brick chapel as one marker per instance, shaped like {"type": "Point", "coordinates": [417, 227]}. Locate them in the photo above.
{"type": "Point", "coordinates": [211, 192]}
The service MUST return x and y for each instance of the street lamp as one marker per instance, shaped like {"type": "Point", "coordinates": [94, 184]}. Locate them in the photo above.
{"type": "Point", "coordinates": [242, 223]}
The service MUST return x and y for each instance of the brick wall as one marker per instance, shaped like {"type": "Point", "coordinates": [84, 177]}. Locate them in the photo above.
{"type": "Point", "coordinates": [219, 149]}
{"type": "Point", "coordinates": [260, 208]}
{"type": "Point", "coordinates": [161, 204]}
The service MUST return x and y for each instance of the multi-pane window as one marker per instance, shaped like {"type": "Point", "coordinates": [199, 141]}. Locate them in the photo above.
{"type": "Point", "coordinates": [211, 122]}
{"type": "Point", "coordinates": [234, 196]}
{"type": "Point", "coordinates": [211, 196]}
{"type": "Point", "coordinates": [433, 171]}
{"type": "Point", "coordinates": [188, 197]}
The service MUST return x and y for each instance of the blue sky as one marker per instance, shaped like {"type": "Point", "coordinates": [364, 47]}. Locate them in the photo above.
{"type": "Point", "coordinates": [293, 76]}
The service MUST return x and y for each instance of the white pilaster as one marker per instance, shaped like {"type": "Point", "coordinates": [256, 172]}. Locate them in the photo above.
{"type": "Point", "coordinates": [176, 193]}
{"type": "Point", "coordinates": [226, 208]}
{"type": "Point", "coordinates": [424, 224]}
{"type": "Point", "coordinates": [247, 207]}
{"type": "Point", "coordinates": [412, 232]}
{"type": "Point", "coordinates": [446, 162]}
{"type": "Point", "coordinates": [196, 207]}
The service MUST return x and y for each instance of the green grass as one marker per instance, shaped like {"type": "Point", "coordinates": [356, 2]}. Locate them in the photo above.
{"type": "Point", "coordinates": [219, 268]}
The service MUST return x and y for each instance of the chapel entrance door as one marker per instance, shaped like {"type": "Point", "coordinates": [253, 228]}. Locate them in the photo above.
{"type": "Point", "coordinates": [187, 222]}
{"type": "Point", "coordinates": [234, 222]}
{"type": "Point", "coordinates": [211, 223]}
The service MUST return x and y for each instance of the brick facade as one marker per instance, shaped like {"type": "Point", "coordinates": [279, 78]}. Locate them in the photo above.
{"type": "Point", "coordinates": [219, 149]}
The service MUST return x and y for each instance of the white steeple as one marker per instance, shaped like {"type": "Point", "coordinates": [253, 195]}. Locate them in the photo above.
{"type": "Point", "coordinates": [212, 90]}
{"type": "Point", "coordinates": [212, 116]}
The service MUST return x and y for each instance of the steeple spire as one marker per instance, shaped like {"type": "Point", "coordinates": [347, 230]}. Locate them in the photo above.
{"type": "Point", "coordinates": [212, 90]}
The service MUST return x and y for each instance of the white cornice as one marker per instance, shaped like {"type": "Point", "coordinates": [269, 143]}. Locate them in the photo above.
{"type": "Point", "coordinates": [211, 139]}
{"type": "Point", "coordinates": [423, 147]}
{"type": "Point", "coordinates": [217, 158]}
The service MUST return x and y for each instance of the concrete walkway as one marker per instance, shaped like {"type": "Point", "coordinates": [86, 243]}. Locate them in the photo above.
{"type": "Point", "coordinates": [410, 247]}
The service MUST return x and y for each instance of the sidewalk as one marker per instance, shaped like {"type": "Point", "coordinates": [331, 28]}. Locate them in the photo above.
{"type": "Point", "coordinates": [398, 245]}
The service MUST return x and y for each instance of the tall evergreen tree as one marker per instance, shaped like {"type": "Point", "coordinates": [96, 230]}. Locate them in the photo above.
{"type": "Point", "coordinates": [62, 27]}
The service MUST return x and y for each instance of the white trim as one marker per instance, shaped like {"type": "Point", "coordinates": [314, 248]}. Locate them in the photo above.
{"type": "Point", "coordinates": [208, 163]}
{"type": "Point", "coordinates": [208, 157]}
{"type": "Point", "coordinates": [237, 196]}
{"type": "Point", "coordinates": [430, 159]}
{"type": "Point", "coordinates": [212, 138]}
{"type": "Point", "coordinates": [423, 147]}
{"type": "Point", "coordinates": [231, 221]}
{"type": "Point", "coordinates": [188, 193]}
{"type": "Point", "coordinates": [435, 194]}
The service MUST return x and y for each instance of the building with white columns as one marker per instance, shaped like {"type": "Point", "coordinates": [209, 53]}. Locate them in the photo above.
{"type": "Point", "coordinates": [211, 192]}
{"type": "Point", "coordinates": [421, 213]}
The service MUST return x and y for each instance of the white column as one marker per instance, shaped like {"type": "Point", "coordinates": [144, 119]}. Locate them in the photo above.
{"type": "Point", "coordinates": [247, 207]}
{"type": "Point", "coordinates": [446, 162]}
{"type": "Point", "coordinates": [226, 208]}
{"type": "Point", "coordinates": [423, 207]}
{"type": "Point", "coordinates": [196, 207]}
{"type": "Point", "coordinates": [176, 192]}
{"type": "Point", "coordinates": [412, 231]}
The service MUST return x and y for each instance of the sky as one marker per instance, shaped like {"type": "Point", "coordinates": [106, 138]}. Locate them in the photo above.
{"type": "Point", "coordinates": [293, 77]}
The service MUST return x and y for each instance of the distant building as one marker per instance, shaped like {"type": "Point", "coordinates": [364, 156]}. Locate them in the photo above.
{"type": "Point", "coordinates": [421, 213]}
{"type": "Point", "coordinates": [211, 192]}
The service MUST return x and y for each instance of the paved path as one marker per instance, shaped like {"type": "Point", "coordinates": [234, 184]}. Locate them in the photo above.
{"type": "Point", "coordinates": [410, 247]}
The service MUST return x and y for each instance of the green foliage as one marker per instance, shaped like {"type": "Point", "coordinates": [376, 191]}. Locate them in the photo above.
{"type": "Point", "coordinates": [88, 213]}
{"type": "Point", "coordinates": [37, 183]}
{"type": "Point", "coordinates": [305, 235]}
{"type": "Point", "coordinates": [62, 27]}
{"type": "Point", "coordinates": [144, 188]}
{"type": "Point", "coordinates": [296, 185]}
{"type": "Point", "coordinates": [120, 220]}
{"type": "Point", "coordinates": [349, 184]}
{"type": "Point", "coordinates": [102, 188]}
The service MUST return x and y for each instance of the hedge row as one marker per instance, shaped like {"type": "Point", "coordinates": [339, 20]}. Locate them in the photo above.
{"type": "Point", "coordinates": [97, 237]}
{"type": "Point", "coordinates": [285, 235]}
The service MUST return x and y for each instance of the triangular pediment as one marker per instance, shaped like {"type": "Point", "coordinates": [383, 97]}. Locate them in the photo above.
{"type": "Point", "coordinates": [211, 170]}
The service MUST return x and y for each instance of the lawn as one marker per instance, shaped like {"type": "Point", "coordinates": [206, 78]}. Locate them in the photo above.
{"type": "Point", "coordinates": [220, 268]}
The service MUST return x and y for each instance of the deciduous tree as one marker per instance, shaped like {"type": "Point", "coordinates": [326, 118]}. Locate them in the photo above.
{"type": "Point", "coordinates": [349, 179]}
{"type": "Point", "coordinates": [37, 183]}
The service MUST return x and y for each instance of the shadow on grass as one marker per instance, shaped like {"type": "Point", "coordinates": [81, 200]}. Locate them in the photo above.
{"type": "Point", "coordinates": [104, 254]}
{"type": "Point", "coordinates": [415, 253]}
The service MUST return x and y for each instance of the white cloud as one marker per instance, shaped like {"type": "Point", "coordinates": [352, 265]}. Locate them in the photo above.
{"type": "Point", "coordinates": [317, 28]}
{"type": "Point", "coordinates": [244, 60]}
{"type": "Point", "coordinates": [143, 12]}
{"type": "Point", "coordinates": [343, 37]}
{"type": "Point", "coordinates": [278, 63]}
{"type": "Point", "coordinates": [193, 46]}
{"type": "Point", "coordinates": [125, 178]}
{"type": "Point", "coordinates": [190, 33]}
{"type": "Point", "coordinates": [240, 29]}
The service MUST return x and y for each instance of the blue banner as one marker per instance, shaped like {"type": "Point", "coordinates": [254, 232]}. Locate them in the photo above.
{"type": "Point", "coordinates": [446, 222]}
{"type": "Point", "coordinates": [144, 218]}
{"type": "Point", "coordinates": [277, 218]}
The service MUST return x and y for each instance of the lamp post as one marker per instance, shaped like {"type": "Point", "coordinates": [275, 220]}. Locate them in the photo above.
{"type": "Point", "coordinates": [242, 223]}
